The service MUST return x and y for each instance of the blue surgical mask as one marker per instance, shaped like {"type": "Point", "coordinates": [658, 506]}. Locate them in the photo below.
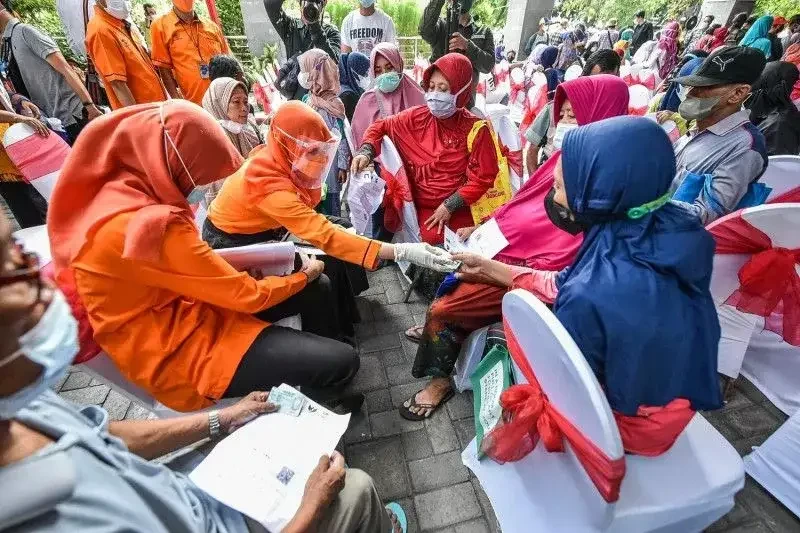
{"type": "Point", "coordinates": [367, 3]}
{"type": "Point", "coordinates": [52, 344]}
{"type": "Point", "coordinates": [388, 82]}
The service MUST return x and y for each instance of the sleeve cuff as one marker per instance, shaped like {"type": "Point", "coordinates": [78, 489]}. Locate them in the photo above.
{"type": "Point", "coordinates": [115, 77]}
{"type": "Point", "coordinates": [368, 150]}
{"type": "Point", "coordinates": [454, 202]}
{"type": "Point", "coordinates": [161, 64]}
{"type": "Point", "coordinates": [371, 259]}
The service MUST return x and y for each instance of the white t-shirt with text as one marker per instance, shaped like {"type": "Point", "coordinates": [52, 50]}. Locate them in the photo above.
{"type": "Point", "coordinates": [362, 33]}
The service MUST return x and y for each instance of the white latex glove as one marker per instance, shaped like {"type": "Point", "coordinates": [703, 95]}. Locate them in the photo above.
{"type": "Point", "coordinates": [426, 256]}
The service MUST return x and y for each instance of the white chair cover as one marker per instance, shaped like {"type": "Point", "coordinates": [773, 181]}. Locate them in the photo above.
{"type": "Point", "coordinates": [684, 490]}
{"type": "Point", "coordinates": [776, 464]}
{"type": "Point", "coordinates": [772, 365]}
{"type": "Point", "coordinates": [468, 359]}
{"type": "Point", "coordinates": [572, 72]}
{"type": "Point", "coordinates": [506, 127]}
{"type": "Point", "coordinates": [639, 99]}
{"type": "Point", "coordinates": [44, 184]}
{"type": "Point", "coordinates": [782, 174]}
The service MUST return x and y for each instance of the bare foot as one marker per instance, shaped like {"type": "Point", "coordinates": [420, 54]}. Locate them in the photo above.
{"type": "Point", "coordinates": [415, 334]}
{"type": "Point", "coordinates": [432, 394]}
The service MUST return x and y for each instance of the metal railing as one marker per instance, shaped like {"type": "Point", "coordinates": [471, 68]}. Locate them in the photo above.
{"type": "Point", "coordinates": [411, 47]}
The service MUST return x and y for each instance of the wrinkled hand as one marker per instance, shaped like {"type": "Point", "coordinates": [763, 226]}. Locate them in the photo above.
{"type": "Point", "coordinates": [465, 233]}
{"type": "Point", "coordinates": [245, 410]}
{"type": "Point", "coordinates": [313, 269]}
{"type": "Point", "coordinates": [29, 109]}
{"type": "Point", "coordinates": [425, 255]}
{"type": "Point", "coordinates": [324, 483]}
{"type": "Point", "coordinates": [663, 116]}
{"type": "Point", "coordinates": [92, 112]}
{"type": "Point", "coordinates": [359, 164]}
{"type": "Point", "coordinates": [473, 268]}
{"type": "Point", "coordinates": [458, 43]}
{"type": "Point", "coordinates": [438, 218]}
{"type": "Point", "coordinates": [38, 126]}
{"type": "Point", "coordinates": [342, 175]}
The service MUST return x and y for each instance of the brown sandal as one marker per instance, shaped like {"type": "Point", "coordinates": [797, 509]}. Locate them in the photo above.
{"type": "Point", "coordinates": [406, 412]}
{"type": "Point", "coordinates": [415, 334]}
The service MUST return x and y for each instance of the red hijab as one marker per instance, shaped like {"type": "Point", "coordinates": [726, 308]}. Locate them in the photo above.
{"type": "Point", "coordinates": [457, 69]}
{"type": "Point", "coordinates": [533, 240]}
{"type": "Point", "coordinates": [122, 162]}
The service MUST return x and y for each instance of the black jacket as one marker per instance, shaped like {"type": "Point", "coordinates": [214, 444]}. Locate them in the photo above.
{"type": "Point", "coordinates": [299, 37]}
{"type": "Point", "coordinates": [641, 34]}
{"type": "Point", "coordinates": [480, 49]}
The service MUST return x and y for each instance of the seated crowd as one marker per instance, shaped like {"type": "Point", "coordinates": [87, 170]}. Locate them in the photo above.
{"type": "Point", "coordinates": [608, 229]}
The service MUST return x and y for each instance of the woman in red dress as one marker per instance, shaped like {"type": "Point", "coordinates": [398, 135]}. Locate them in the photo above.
{"type": "Point", "coordinates": [445, 177]}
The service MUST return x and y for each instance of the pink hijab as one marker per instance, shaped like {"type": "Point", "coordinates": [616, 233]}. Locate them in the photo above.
{"type": "Point", "coordinates": [533, 240]}
{"type": "Point", "coordinates": [669, 43]}
{"type": "Point", "coordinates": [408, 94]}
{"type": "Point", "coordinates": [323, 75]}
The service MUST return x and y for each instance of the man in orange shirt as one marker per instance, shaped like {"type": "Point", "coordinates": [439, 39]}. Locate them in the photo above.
{"type": "Point", "coordinates": [120, 57]}
{"type": "Point", "coordinates": [182, 47]}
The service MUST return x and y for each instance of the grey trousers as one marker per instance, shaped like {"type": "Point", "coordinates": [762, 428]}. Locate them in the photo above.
{"type": "Point", "coordinates": [357, 509]}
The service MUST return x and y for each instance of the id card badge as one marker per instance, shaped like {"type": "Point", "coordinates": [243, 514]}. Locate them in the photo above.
{"type": "Point", "coordinates": [204, 71]}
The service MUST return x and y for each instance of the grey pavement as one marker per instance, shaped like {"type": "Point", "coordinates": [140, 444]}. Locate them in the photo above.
{"type": "Point", "coordinates": [419, 464]}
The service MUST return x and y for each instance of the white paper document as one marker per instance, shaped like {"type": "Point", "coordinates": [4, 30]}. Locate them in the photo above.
{"type": "Point", "coordinates": [273, 259]}
{"type": "Point", "coordinates": [261, 469]}
{"type": "Point", "coordinates": [487, 240]}
{"type": "Point", "coordinates": [364, 196]}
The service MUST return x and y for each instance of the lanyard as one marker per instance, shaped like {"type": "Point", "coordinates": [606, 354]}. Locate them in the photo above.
{"type": "Point", "coordinates": [195, 40]}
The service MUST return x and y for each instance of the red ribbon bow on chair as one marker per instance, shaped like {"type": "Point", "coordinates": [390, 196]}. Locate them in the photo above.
{"type": "Point", "coordinates": [770, 285]}
{"type": "Point", "coordinates": [514, 158]}
{"type": "Point", "coordinates": [397, 192]}
{"type": "Point", "coordinates": [528, 416]}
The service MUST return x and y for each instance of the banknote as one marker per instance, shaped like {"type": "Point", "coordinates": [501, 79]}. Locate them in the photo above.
{"type": "Point", "coordinates": [289, 401]}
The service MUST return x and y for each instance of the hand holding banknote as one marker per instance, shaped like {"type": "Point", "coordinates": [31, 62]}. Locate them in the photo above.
{"type": "Point", "coordinates": [245, 410]}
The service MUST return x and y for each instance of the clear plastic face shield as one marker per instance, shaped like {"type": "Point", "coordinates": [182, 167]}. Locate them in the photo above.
{"type": "Point", "coordinates": [312, 159]}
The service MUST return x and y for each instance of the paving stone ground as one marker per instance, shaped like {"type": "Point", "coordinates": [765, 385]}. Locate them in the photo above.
{"type": "Point", "coordinates": [418, 463]}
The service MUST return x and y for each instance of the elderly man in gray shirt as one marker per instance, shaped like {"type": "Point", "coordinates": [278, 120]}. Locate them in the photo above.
{"type": "Point", "coordinates": [723, 145]}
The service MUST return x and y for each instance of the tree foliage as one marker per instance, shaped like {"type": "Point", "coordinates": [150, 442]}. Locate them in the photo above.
{"type": "Point", "coordinates": [600, 11]}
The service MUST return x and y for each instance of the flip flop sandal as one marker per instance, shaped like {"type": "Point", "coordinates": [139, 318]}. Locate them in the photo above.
{"type": "Point", "coordinates": [398, 512]}
{"type": "Point", "coordinates": [406, 412]}
{"type": "Point", "coordinates": [414, 334]}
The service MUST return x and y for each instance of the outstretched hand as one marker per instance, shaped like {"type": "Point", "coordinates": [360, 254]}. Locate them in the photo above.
{"type": "Point", "coordinates": [426, 256]}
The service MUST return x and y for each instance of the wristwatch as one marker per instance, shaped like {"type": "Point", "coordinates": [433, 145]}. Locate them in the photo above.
{"type": "Point", "coordinates": [213, 424]}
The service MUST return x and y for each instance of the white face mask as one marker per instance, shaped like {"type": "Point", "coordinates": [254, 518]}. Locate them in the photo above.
{"type": "Point", "coordinates": [443, 105]}
{"type": "Point", "coordinates": [303, 80]}
{"type": "Point", "coordinates": [119, 9]}
{"type": "Point", "coordinates": [562, 128]}
{"type": "Point", "coordinates": [232, 126]}
{"type": "Point", "coordinates": [52, 344]}
{"type": "Point", "coordinates": [197, 194]}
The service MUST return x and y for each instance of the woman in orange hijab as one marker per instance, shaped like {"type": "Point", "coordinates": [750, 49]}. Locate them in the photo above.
{"type": "Point", "coordinates": [275, 192]}
{"type": "Point", "coordinates": [176, 318]}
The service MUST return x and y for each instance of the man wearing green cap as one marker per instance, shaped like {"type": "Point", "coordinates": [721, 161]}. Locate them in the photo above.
{"type": "Point", "coordinates": [468, 37]}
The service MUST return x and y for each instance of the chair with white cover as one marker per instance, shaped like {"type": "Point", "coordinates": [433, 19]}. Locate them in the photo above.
{"type": "Point", "coordinates": [684, 490]}
{"type": "Point", "coordinates": [782, 175]}
{"type": "Point", "coordinates": [38, 158]}
{"type": "Point", "coordinates": [776, 464]}
{"type": "Point", "coordinates": [639, 99]}
{"type": "Point", "coordinates": [746, 347]}
{"type": "Point", "coordinates": [574, 71]}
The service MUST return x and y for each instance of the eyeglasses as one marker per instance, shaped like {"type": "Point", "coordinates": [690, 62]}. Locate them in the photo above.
{"type": "Point", "coordinates": [28, 269]}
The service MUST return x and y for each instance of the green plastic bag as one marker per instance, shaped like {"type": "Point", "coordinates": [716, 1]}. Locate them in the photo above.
{"type": "Point", "coordinates": [490, 379]}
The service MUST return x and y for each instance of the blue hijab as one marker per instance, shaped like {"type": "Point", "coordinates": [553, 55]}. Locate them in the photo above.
{"type": "Point", "coordinates": [670, 102]}
{"type": "Point", "coordinates": [758, 35]}
{"type": "Point", "coordinates": [636, 299]}
{"type": "Point", "coordinates": [351, 66]}
{"type": "Point", "coordinates": [548, 59]}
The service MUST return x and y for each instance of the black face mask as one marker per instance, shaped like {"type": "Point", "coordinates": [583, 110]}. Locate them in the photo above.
{"type": "Point", "coordinates": [561, 216]}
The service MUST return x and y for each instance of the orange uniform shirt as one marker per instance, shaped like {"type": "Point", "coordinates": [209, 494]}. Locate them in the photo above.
{"type": "Point", "coordinates": [186, 48]}
{"type": "Point", "coordinates": [178, 328]}
{"type": "Point", "coordinates": [119, 55]}
{"type": "Point", "coordinates": [231, 212]}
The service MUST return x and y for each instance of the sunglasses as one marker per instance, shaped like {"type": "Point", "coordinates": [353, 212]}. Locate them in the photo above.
{"type": "Point", "coordinates": [27, 269]}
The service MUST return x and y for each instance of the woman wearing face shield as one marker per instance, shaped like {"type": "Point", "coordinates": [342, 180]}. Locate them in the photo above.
{"type": "Point", "coordinates": [65, 468]}
{"type": "Point", "coordinates": [276, 191]}
{"type": "Point", "coordinates": [176, 318]}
